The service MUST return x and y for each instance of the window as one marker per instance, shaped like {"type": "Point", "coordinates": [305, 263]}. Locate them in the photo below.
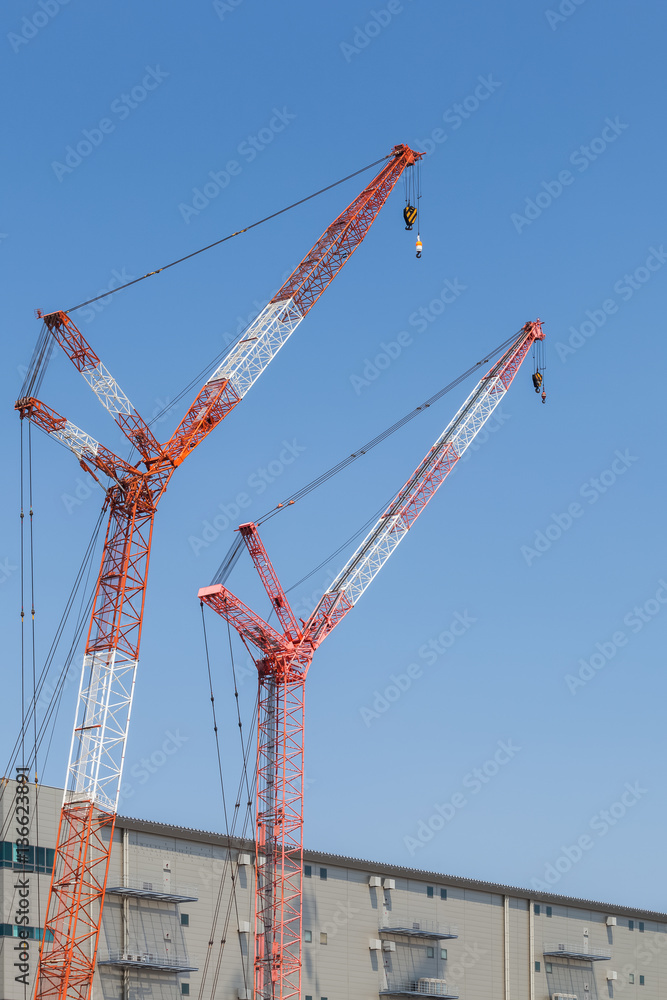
{"type": "Point", "coordinates": [536, 909]}
{"type": "Point", "coordinates": [549, 911]}
{"type": "Point", "coordinates": [323, 874]}
{"type": "Point", "coordinates": [323, 938]}
{"type": "Point", "coordinates": [641, 981]}
{"type": "Point", "coordinates": [24, 858]}
{"type": "Point", "coordinates": [641, 926]}
{"type": "Point", "coordinates": [308, 936]}
{"type": "Point", "coordinates": [33, 933]}
{"type": "Point", "coordinates": [430, 952]}
{"type": "Point", "coordinates": [308, 998]}
{"type": "Point", "coordinates": [632, 978]}
{"type": "Point", "coordinates": [185, 922]}
{"type": "Point", "coordinates": [443, 954]}
{"type": "Point", "coordinates": [537, 966]}
{"type": "Point", "coordinates": [185, 989]}
{"type": "Point", "coordinates": [548, 967]}
{"type": "Point", "coordinates": [429, 891]}
{"type": "Point", "coordinates": [307, 872]}
{"type": "Point", "coordinates": [631, 925]}
{"type": "Point", "coordinates": [443, 894]}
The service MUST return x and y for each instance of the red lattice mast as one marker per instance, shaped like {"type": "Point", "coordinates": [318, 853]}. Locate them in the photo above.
{"type": "Point", "coordinates": [76, 896]}
{"type": "Point", "coordinates": [283, 663]}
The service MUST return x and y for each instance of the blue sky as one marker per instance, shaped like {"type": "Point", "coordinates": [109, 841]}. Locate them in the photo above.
{"type": "Point", "coordinates": [542, 196]}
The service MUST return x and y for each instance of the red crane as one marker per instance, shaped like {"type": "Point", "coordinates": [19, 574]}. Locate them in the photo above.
{"type": "Point", "coordinates": [76, 896]}
{"type": "Point", "coordinates": [284, 657]}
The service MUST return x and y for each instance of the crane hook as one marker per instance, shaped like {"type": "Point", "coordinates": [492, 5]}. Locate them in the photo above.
{"type": "Point", "coordinates": [418, 246]}
{"type": "Point", "coordinates": [544, 395]}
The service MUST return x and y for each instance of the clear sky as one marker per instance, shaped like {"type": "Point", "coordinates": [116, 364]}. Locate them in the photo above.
{"type": "Point", "coordinates": [543, 195]}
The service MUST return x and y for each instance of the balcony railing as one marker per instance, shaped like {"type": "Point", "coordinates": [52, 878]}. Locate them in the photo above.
{"type": "Point", "coordinates": [424, 929]}
{"type": "Point", "coordinates": [146, 960]}
{"type": "Point", "coordinates": [419, 987]}
{"type": "Point", "coordinates": [590, 953]}
{"type": "Point", "coordinates": [144, 889]}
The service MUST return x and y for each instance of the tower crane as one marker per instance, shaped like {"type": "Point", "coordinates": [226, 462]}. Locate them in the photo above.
{"type": "Point", "coordinates": [76, 895]}
{"type": "Point", "coordinates": [284, 655]}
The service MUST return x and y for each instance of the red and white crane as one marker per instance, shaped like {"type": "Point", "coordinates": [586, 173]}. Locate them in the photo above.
{"type": "Point", "coordinates": [74, 909]}
{"type": "Point", "coordinates": [283, 661]}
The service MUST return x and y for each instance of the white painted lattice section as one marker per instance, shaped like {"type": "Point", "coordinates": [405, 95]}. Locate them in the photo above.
{"type": "Point", "coordinates": [102, 720]}
{"type": "Point", "coordinates": [386, 534]}
{"type": "Point", "coordinates": [105, 387]}
{"type": "Point", "coordinates": [261, 342]}
{"type": "Point", "coordinates": [76, 440]}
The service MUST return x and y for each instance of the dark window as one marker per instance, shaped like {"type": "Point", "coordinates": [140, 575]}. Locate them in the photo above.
{"type": "Point", "coordinates": [11, 930]}
{"type": "Point", "coordinates": [536, 909]}
{"type": "Point", "coordinates": [429, 891]}
{"type": "Point", "coordinates": [185, 989]}
{"type": "Point", "coordinates": [309, 998]}
{"type": "Point", "coordinates": [33, 859]}
{"type": "Point", "coordinates": [547, 967]}
{"type": "Point", "coordinates": [443, 894]}
{"type": "Point", "coordinates": [307, 872]}
{"type": "Point", "coordinates": [185, 922]}
{"type": "Point", "coordinates": [443, 954]}
{"type": "Point", "coordinates": [641, 926]}
{"type": "Point", "coordinates": [549, 911]}
{"type": "Point", "coordinates": [323, 874]}
{"type": "Point", "coordinates": [537, 966]}
{"type": "Point", "coordinates": [641, 981]}
{"type": "Point", "coordinates": [631, 925]}
{"type": "Point", "coordinates": [430, 952]}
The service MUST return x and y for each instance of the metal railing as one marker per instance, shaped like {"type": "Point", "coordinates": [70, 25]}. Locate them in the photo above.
{"type": "Point", "coordinates": [581, 950]}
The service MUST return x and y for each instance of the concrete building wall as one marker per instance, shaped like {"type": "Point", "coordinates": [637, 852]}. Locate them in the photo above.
{"type": "Point", "coordinates": [498, 953]}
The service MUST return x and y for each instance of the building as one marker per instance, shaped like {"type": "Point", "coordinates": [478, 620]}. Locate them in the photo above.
{"type": "Point", "coordinates": [369, 929]}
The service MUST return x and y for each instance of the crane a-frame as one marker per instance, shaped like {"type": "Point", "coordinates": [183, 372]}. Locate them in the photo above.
{"type": "Point", "coordinates": [76, 896]}
{"type": "Point", "coordinates": [283, 661]}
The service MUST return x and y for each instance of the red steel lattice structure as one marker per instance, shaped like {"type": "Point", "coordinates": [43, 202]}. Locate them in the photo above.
{"type": "Point", "coordinates": [283, 663]}
{"type": "Point", "coordinates": [76, 896]}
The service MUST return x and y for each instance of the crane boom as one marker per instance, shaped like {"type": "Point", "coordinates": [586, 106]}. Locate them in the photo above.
{"type": "Point", "coordinates": [283, 664]}
{"type": "Point", "coordinates": [85, 835]}
{"type": "Point", "coordinates": [411, 499]}
{"type": "Point", "coordinates": [280, 317]}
